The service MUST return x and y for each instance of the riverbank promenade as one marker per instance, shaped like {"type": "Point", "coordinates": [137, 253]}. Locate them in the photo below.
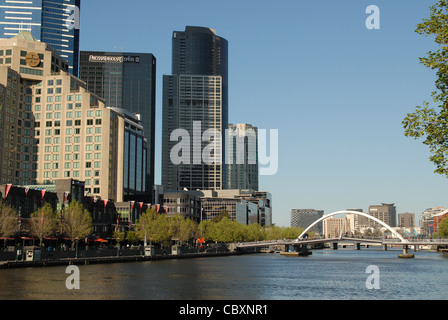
{"type": "Point", "coordinates": [34, 257]}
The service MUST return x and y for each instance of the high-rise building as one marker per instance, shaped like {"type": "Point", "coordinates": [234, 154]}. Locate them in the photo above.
{"type": "Point", "coordinates": [23, 62]}
{"type": "Point", "coordinates": [303, 218]}
{"type": "Point", "coordinates": [126, 81]}
{"type": "Point", "coordinates": [195, 99]}
{"type": "Point", "coordinates": [52, 128]}
{"type": "Point", "coordinates": [243, 154]}
{"type": "Point", "coordinates": [406, 220]}
{"type": "Point", "coordinates": [385, 212]}
{"type": "Point", "coordinates": [55, 22]}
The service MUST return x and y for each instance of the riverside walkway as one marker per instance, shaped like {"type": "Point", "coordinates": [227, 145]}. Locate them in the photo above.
{"type": "Point", "coordinates": [122, 256]}
{"type": "Point", "coordinates": [106, 260]}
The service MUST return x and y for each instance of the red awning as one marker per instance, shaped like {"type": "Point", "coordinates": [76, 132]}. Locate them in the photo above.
{"type": "Point", "coordinates": [100, 240]}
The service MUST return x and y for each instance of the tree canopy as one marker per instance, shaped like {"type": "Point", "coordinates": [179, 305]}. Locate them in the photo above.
{"type": "Point", "coordinates": [8, 221]}
{"type": "Point", "coordinates": [443, 228]}
{"type": "Point", "coordinates": [76, 222]}
{"type": "Point", "coordinates": [43, 222]}
{"type": "Point", "coordinates": [431, 123]}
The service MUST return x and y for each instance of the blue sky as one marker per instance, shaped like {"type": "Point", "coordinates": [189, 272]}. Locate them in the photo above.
{"type": "Point", "coordinates": [336, 91]}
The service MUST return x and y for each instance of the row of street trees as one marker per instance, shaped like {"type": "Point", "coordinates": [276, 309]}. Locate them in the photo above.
{"type": "Point", "coordinates": [161, 229]}
{"type": "Point", "coordinates": [75, 222]}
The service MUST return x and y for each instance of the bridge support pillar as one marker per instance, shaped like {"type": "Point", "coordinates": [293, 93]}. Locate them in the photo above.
{"type": "Point", "coordinates": [385, 247]}
{"type": "Point", "coordinates": [335, 246]}
{"type": "Point", "coordinates": [357, 246]}
{"type": "Point", "coordinates": [302, 250]}
{"type": "Point", "coordinates": [406, 254]}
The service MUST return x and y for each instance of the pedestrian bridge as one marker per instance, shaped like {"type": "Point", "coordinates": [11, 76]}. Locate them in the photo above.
{"type": "Point", "coordinates": [302, 243]}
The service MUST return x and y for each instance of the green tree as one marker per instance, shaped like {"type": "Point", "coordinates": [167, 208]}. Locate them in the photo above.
{"type": "Point", "coordinates": [8, 221]}
{"type": "Point", "coordinates": [181, 228]}
{"type": "Point", "coordinates": [276, 233]}
{"type": "Point", "coordinates": [155, 227]}
{"type": "Point", "coordinates": [227, 231]}
{"type": "Point", "coordinates": [206, 229]}
{"type": "Point", "coordinates": [119, 236]}
{"type": "Point", "coordinates": [443, 228]}
{"type": "Point", "coordinates": [131, 236]}
{"type": "Point", "coordinates": [253, 232]}
{"type": "Point", "coordinates": [43, 223]}
{"type": "Point", "coordinates": [429, 122]}
{"type": "Point", "coordinates": [76, 222]}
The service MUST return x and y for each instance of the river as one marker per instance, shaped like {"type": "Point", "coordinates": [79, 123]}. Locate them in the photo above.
{"type": "Point", "coordinates": [325, 275]}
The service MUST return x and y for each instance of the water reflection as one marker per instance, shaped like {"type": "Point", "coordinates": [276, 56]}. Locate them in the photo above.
{"type": "Point", "coordinates": [324, 275]}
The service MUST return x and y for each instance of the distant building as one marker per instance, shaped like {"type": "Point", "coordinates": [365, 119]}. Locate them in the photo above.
{"type": "Point", "coordinates": [243, 154]}
{"type": "Point", "coordinates": [245, 206]}
{"type": "Point", "coordinates": [387, 213]}
{"type": "Point", "coordinates": [303, 218]}
{"type": "Point", "coordinates": [332, 227]}
{"type": "Point", "coordinates": [184, 203]}
{"type": "Point", "coordinates": [427, 220]}
{"type": "Point", "coordinates": [356, 221]}
{"type": "Point", "coordinates": [438, 219]}
{"type": "Point", "coordinates": [406, 220]}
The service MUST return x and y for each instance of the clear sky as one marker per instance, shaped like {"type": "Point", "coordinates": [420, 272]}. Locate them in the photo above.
{"type": "Point", "coordinates": [336, 91]}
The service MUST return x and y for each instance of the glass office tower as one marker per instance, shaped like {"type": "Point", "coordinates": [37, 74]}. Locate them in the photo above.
{"type": "Point", "coordinates": [196, 92]}
{"type": "Point", "coordinates": [126, 81]}
{"type": "Point", "coordinates": [54, 22]}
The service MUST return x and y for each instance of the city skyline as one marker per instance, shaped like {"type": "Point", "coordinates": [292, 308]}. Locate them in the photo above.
{"type": "Point", "coordinates": [316, 73]}
{"type": "Point", "coordinates": [342, 78]}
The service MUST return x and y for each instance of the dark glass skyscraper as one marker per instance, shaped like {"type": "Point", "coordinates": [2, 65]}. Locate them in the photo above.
{"type": "Point", "coordinates": [55, 22]}
{"type": "Point", "coordinates": [195, 93]}
{"type": "Point", "coordinates": [126, 81]}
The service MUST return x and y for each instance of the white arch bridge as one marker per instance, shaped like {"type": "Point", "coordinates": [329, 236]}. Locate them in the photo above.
{"type": "Point", "coordinates": [302, 243]}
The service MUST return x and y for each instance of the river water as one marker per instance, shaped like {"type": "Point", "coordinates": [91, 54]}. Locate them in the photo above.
{"type": "Point", "coordinates": [326, 275]}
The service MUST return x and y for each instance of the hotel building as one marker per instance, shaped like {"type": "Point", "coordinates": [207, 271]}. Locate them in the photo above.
{"type": "Point", "coordinates": [53, 128]}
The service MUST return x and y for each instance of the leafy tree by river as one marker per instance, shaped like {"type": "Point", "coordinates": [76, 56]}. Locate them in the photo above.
{"type": "Point", "coordinates": [8, 221]}
{"type": "Point", "coordinates": [431, 123]}
{"type": "Point", "coordinates": [76, 222]}
{"type": "Point", "coordinates": [443, 228]}
{"type": "Point", "coordinates": [161, 229]}
{"type": "Point", "coordinates": [43, 223]}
